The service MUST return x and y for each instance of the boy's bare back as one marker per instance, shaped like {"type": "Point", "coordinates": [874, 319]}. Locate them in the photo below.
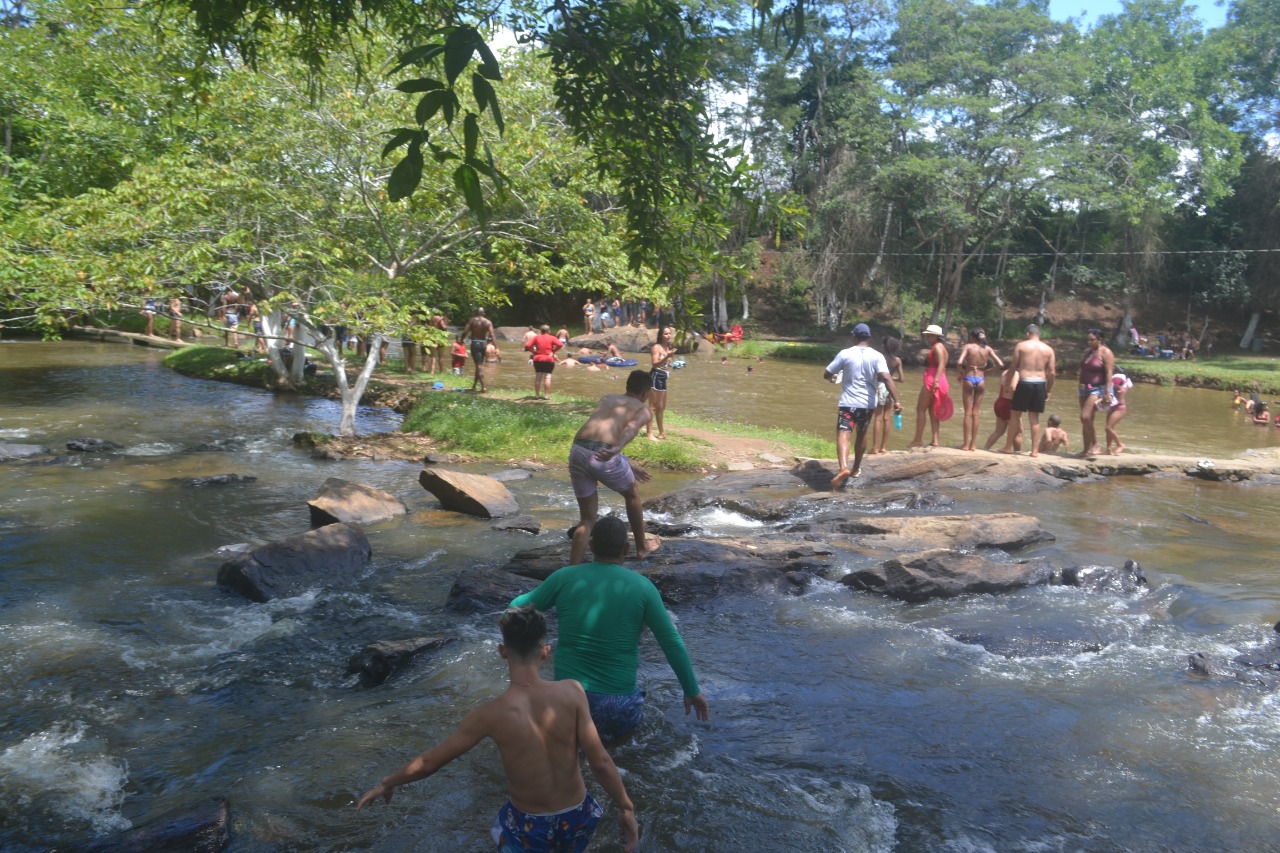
{"type": "Point", "coordinates": [538, 730]}
{"type": "Point", "coordinates": [612, 417]}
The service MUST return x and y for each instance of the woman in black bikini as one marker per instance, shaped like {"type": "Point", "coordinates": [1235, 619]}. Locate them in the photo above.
{"type": "Point", "coordinates": [661, 353]}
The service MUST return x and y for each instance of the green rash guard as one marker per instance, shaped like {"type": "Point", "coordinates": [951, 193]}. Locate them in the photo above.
{"type": "Point", "coordinates": [602, 608]}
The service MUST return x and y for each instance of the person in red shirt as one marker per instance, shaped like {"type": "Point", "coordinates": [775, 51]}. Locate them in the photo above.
{"type": "Point", "coordinates": [459, 356]}
{"type": "Point", "coordinates": [543, 346]}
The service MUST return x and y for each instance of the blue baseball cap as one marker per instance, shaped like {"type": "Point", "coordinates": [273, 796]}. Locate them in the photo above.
{"type": "Point", "coordinates": [862, 330]}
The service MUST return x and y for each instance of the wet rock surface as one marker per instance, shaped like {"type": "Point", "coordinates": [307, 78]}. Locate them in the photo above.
{"type": "Point", "coordinates": [473, 494]}
{"type": "Point", "coordinates": [328, 556]}
{"type": "Point", "coordinates": [341, 501]}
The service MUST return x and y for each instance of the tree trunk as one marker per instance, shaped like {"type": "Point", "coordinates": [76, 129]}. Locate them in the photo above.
{"type": "Point", "coordinates": [1251, 330]}
{"type": "Point", "coordinates": [746, 305]}
{"type": "Point", "coordinates": [1122, 334]}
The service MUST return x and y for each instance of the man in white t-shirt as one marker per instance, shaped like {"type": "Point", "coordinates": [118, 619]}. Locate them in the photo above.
{"type": "Point", "coordinates": [861, 368]}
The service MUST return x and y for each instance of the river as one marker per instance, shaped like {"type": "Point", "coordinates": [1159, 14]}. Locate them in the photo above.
{"type": "Point", "coordinates": [134, 686]}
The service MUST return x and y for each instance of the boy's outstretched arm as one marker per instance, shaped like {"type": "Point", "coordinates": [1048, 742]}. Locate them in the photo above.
{"type": "Point", "coordinates": [606, 773]}
{"type": "Point", "coordinates": [472, 730]}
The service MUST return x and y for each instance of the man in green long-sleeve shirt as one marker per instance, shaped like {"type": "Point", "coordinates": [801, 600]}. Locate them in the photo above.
{"type": "Point", "coordinates": [602, 609]}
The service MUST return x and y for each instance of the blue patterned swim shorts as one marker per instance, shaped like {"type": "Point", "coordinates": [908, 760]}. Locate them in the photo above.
{"type": "Point", "coordinates": [616, 715]}
{"type": "Point", "coordinates": [568, 831]}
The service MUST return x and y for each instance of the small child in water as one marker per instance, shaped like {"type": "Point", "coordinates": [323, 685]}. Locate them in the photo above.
{"type": "Point", "coordinates": [1055, 437]}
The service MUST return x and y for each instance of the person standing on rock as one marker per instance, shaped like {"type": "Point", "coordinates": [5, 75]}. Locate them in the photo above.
{"type": "Point", "coordinates": [971, 368]}
{"type": "Point", "coordinates": [860, 369]}
{"type": "Point", "coordinates": [479, 333]}
{"type": "Point", "coordinates": [935, 385]}
{"type": "Point", "coordinates": [543, 345]}
{"type": "Point", "coordinates": [596, 457]}
{"type": "Point", "coordinates": [1035, 364]}
{"type": "Point", "coordinates": [602, 609]}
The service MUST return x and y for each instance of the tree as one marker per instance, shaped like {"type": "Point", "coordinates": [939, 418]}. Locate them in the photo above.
{"type": "Point", "coordinates": [1153, 138]}
{"type": "Point", "coordinates": [976, 90]}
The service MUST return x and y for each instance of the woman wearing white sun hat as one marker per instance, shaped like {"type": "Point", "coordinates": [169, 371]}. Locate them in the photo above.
{"type": "Point", "coordinates": [935, 384]}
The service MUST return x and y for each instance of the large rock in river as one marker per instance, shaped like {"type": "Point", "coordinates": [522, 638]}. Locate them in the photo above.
{"type": "Point", "coordinates": [343, 502]}
{"type": "Point", "coordinates": [328, 556]}
{"type": "Point", "coordinates": [473, 494]}
{"type": "Point", "coordinates": [1008, 531]}
{"type": "Point", "coordinates": [946, 574]}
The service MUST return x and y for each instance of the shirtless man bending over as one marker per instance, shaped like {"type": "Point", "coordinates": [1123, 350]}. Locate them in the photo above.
{"type": "Point", "coordinates": [1036, 365]}
{"type": "Point", "coordinates": [596, 457]}
{"type": "Point", "coordinates": [539, 726]}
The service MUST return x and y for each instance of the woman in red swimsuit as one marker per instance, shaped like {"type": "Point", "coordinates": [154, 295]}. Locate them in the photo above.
{"type": "Point", "coordinates": [935, 377]}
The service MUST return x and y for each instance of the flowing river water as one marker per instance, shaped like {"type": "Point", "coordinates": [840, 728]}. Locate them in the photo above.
{"type": "Point", "coordinates": [134, 686]}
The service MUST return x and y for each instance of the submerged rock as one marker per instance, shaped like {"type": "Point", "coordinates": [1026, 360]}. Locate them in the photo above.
{"type": "Point", "coordinates": [526, 523]}
{"type": "Point", "coordinates": [485, 590]}
{"type": "Point", "coordinates": [1125, 581]}
{"type": "Point", "coordinates": [9, 452]}
{"type": "Point", "coordinates": [377, 662]}
{"type": "Point", "coordinates": [213, 480]}
{"type": "Point", "coordinates": [203, 830]}
{"type": "Point", "coordinates": [327, 556]}
{"type": "Point", "coordinates": [93, 445]}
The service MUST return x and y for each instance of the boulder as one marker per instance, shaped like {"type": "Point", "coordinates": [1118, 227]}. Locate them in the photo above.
{"type": "Point", "coordinates": [947, 574]}
{"type": "Point", "coordinates": [9, 452]}
{"type": "Point", "coordinates": [526, 523]}
{"type": "Point", "coordinates": [93, 445]}
{"type": "Point", "coordinates": [632, 339]}
{"type": "Point", "coordinates": [202, 830]}
{"type": "Point", "coordinates": [473, 494]}
{"type": "Point", "coordinates": [326, 556]}
{"type": "Point", "coordinates": [691, 570]}
{"type": "Point", "coordinates": [377, 662]}
{"type": "Point", "coordinates": [775, 494]}
{"type": "Point", "coordinates": [955, 469]}
{"type": "Point", "coordinates": [485, 590]}
{"type": "Point", "coordinates": [342, 502]}
{"type": "Point", "coordinates": [1008, 531]}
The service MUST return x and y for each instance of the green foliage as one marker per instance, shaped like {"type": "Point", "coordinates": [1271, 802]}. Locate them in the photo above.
{"type": "Point", "coordinates": [496, 428]}
{"type": "Point", "coordinates": [201, 361]}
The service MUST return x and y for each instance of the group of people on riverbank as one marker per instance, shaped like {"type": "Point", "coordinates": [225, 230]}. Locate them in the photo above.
{"type": "Point", "coordinates": [605, 312]}
{"type": "Point", "coordinates": [540, 726]}
{"type": "Point", "coordinates": [1026, 386]}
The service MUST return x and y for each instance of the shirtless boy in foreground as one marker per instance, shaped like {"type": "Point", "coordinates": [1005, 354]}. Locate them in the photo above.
{"type": "Point", "coordinates": [539, 726]}
{"type": "Point", "coordinates": [596, 457]}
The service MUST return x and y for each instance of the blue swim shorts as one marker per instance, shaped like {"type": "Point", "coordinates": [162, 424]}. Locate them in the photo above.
{"type": "Point", "coordinates": [616, 715]}
{"type": "Point", "coordinates": [515, 831]}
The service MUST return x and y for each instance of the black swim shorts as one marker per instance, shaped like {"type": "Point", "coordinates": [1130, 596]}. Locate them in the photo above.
{"type": "Point", "coordinates": [846, 418]}
{"type": "Point", "coordinates": [1030, 396]}
{"type": "Point", "coordinates": [658, 376]}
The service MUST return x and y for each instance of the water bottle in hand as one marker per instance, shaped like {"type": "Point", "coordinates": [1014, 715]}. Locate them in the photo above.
{"type": "Point", "coordinates": [897, 420]}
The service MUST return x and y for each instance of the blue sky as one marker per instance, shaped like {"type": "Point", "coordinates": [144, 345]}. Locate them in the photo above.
{"type": "Point", "coordinates": [1208, 11]}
